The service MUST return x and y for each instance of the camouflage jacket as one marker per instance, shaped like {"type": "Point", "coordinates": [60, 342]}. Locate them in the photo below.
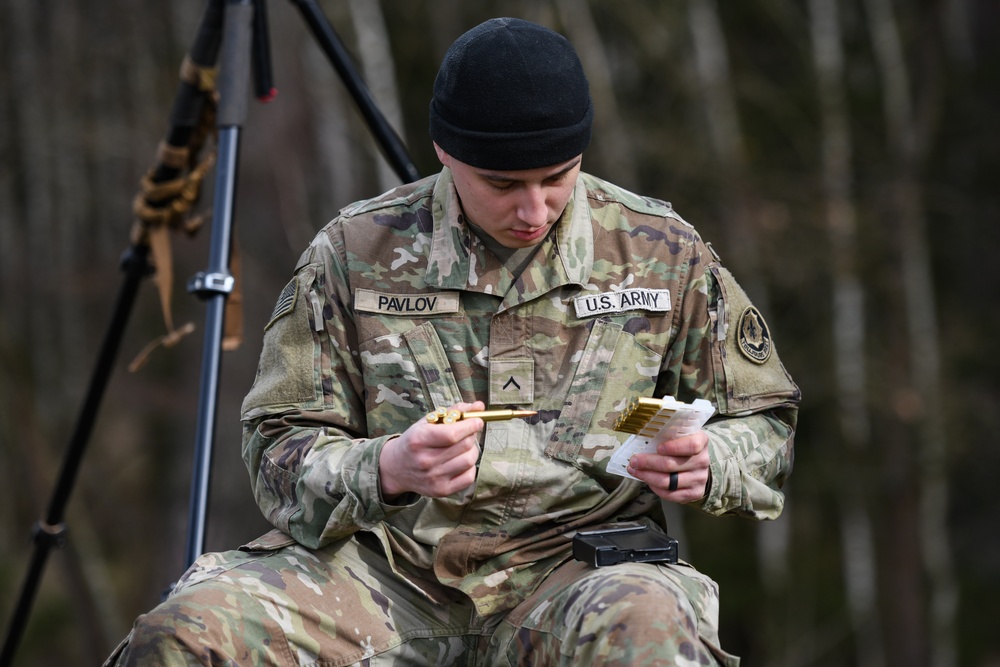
{"type": "Point", "coordinates": [396, 309]}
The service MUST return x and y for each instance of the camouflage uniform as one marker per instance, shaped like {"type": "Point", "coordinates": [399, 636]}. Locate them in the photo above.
{"type": "Point", "coordinates": [397, 309]}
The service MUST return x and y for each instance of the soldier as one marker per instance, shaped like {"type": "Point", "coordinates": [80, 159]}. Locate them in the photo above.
{"type": "Point", "coordinates": [512, 280]}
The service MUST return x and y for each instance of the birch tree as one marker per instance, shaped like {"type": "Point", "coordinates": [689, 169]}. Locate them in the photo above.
{"type": "Point", "coordinates": [908, 140]}
{"type": "Point", "coordinates": [31, 116]}
{"type": "Point", "coordinates": [725, 137]}
{"type": "Point", "coordinates": [859, 563]}
{"type": "Point", "coordinates": [610, 137]}
{"type": "Point", "coordinates": [379, 73]}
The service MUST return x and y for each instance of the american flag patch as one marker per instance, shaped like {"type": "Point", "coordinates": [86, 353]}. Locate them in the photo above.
{"type": "Point", "coordinates": [286, 302]}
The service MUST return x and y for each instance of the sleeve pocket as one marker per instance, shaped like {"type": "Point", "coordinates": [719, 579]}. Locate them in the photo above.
{"type": "Point", "coordinates": [287, 374]}
{"type": "Point", "coordinates": [752, 375]}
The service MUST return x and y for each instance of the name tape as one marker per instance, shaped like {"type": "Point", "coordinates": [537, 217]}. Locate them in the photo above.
{"type": "Point", "coordinates": [370, 301]}
{"type": "Point", "coordinates": [637, 298]}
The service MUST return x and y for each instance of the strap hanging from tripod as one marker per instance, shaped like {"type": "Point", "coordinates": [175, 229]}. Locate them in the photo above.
{"type": "Point", "coordinates": [165, 203]}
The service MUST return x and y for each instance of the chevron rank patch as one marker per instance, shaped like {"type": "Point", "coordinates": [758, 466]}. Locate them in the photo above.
{"type": "Point", "coordinates": [512, 381]}
{"type": "Point", "coordinates": [286, 302]}
{"type": "Point", "coordinates": [753, 336]}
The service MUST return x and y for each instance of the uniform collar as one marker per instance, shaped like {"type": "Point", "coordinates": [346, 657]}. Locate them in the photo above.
{"type": "Point", "coordinates": [457, 260]}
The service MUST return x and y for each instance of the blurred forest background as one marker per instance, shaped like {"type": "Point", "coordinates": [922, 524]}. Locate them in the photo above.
{"type": "Point", "coordinates": [842, 156]}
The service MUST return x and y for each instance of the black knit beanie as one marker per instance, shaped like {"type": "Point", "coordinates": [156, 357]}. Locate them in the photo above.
{"type": "Point", "coordinates": [511, 95]}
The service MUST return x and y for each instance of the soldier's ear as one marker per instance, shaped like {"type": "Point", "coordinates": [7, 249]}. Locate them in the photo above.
{"type": "Point", "coordinates": [444, 158]}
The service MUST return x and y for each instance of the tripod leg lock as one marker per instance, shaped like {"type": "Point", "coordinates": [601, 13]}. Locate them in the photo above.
{"type": "Point", "coordinates": [205, 284]}
{"type": "Point", "coordinates": [50, 535]}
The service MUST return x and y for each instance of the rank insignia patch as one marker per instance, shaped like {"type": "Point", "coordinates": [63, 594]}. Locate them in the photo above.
{"type": "Point", "coordinates": [512, 381]}
{"type": "Point", "coordinates": [754, 338]}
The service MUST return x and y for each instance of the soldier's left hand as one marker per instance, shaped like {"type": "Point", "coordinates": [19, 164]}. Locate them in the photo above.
{"type": "Point", "coordinates": [687, 458]}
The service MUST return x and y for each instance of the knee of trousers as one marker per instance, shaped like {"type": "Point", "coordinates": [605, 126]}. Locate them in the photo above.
{"type": "Point", "coordinates": [636, 601]}
{"type": "Point", "coordinates": [208, 625]}
{"type": "Point", "coordinates": [625, 614]}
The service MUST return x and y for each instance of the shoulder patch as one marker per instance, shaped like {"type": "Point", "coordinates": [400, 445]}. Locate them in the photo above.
{"type": "Point", "coordinates": [753, 336]}
{"type": "Point", "coordinates": [286, 302]}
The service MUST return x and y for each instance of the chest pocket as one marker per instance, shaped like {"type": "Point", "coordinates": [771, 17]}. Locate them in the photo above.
{"type": "Point", "coordinates": [406, 375]}
{"type": "Point", "coordinates": [614, 367]}
{"type": "Point", "coordinates": [432, 362]}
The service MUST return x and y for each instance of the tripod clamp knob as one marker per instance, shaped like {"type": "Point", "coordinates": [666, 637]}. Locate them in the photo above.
{"type": "Point", "coordinates": [51, 535]}
{"type": "Point", "coordinates": [205, 284]}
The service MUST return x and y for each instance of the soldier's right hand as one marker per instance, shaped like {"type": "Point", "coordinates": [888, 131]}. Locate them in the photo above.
{"type": "Point", "coordinates": [434, 460]}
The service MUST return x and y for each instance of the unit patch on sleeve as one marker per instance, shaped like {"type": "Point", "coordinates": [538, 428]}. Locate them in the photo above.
{"type": "Point", "coordinates": [753, 336]}
{"type": "Point", "coordinates": [434, 303]}
{"type": "Point", "coordinates": [619, 301]}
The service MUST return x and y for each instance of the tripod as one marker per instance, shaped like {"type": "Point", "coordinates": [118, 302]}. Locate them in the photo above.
{"type": "Point", "coordinates": [233, 33]}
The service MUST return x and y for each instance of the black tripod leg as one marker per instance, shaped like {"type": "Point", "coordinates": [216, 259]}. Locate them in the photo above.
{"type": "Point", "coordinates": [387, 138]}
{"type": "Point", "coordinates": [215, 284]}
{"type": "Point", "coordinates": [51, 531]}
{"type": "Point", "coordinates": [263, 76]}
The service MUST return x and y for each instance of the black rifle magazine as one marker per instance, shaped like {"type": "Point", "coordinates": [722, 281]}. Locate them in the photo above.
{"type": "Point", "coordinates": [611, 544]}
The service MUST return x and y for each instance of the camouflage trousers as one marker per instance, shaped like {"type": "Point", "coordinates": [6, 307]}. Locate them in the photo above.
{"type": "Point", "coordinates": [342, 605]}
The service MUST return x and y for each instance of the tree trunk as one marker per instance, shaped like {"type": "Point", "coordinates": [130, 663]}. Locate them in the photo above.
{"type": "Point", "coordinates": [336, 148]}
{"type": "Point", "coordinates": [958, 32]}
{"type": "Point", "coordinates": [725, 135]}
{"type": "Point", "coordinates": [610, 138]}
{"type": "Point", "coordinates": [10, 242]}
{"type": "Point", "coordinates": [907, 146]}
{"type": "Point", "coordinates": [848, 334]}
{"type": "Point", "coordinates": [33, 162]}
{"type": "Point", "coordinates": [379, 74]}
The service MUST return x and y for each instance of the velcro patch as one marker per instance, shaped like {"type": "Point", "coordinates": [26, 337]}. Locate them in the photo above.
{"type": "Point", "coordinates": [636, 298]}
{"type": "Point", "coordinates": [512, 381]}
{"type": "Point", "coordinates": [286, 302]}
{"type": "Point", "coordinates": [435, 303]}
{"type": "Point", "coordinates": [753, 336]}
